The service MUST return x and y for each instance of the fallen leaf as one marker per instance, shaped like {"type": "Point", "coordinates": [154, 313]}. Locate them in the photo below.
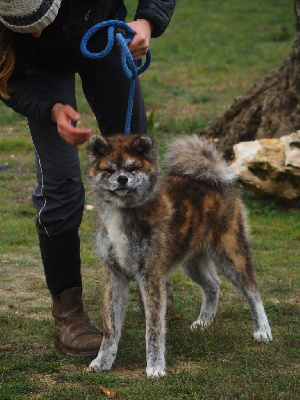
{"type": "Point", "coordinates": [6, 346]}
{"type": "Point", "coordinates": [109, 393]}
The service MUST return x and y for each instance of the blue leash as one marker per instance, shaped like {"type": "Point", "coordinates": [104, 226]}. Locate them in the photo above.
{"type": "Point", "coordinates": [124, 35]}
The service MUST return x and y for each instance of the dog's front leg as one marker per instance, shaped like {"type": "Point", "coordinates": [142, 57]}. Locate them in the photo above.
{"type": "Point", "coordinates": [153, 290]}
{"type": "Point", "coordinates": [115, 290]}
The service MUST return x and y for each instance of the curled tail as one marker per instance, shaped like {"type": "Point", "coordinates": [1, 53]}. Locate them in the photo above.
{"type": "Point", "coordinates": [199, 159]}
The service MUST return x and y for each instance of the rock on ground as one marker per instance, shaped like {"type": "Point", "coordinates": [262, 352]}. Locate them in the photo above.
{"type": "Point", "coordinates": [270, 166]}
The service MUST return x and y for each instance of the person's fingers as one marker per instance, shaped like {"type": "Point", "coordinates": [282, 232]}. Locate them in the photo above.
{"type": "Point", "coordinates": [70, 113]}
{"type": "Point", "coordinates": [71, 134]}
{"type": "Point", "coordinates": [141, 40]}
{"type": "Point", "coordinates": [75, 137]}
{"type": "Point", "coordinates": [138, 48]}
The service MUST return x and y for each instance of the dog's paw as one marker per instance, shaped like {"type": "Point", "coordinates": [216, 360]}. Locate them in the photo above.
{"type": "Point", "coordinates": [98, 365]}
{"type": "Point", "coordinates": [263, 336]}
{"type": "Point", "coordinates": [200, 323]}
{"type": "Point", "coordinates": [154, 373]}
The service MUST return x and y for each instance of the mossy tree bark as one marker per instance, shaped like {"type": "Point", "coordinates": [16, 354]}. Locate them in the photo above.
{"type": "Point", "coordinates": [269, 109]}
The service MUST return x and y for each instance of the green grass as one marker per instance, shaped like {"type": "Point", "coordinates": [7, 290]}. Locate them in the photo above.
{"type": "Point", "coordinates": [212, 52]}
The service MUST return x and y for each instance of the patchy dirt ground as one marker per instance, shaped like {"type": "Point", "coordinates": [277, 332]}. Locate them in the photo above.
{"type": "Point", "coordinates": [22, 289]}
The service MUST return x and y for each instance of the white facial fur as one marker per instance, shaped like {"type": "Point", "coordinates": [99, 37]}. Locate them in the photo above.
{"type": "Point", "coordinates": [108, 188]}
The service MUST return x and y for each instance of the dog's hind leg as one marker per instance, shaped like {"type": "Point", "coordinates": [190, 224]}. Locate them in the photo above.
{"type": "Point", "coordinates": [116, 289]}
{"type": "Point", "coordinates": [235, 261]}
{"type": "Point", "coordinates": [248, 286]}
{"type": "Point", "coordinates": [153, 290]}
{"type": "Point", "coordinates": [201, 269]}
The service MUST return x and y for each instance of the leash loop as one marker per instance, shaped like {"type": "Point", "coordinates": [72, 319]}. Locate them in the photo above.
{"type": "Point", "coordinates": [123, 34]}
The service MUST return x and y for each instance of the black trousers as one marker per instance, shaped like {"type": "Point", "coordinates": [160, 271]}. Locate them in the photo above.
{"type": "Point", "coordinates": [59, 196]}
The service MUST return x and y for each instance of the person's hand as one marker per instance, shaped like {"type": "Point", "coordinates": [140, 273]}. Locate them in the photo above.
{"type": "Point", "coordinates": [62, 115]}
{"type": "Point", "coordinates": [141, 40]}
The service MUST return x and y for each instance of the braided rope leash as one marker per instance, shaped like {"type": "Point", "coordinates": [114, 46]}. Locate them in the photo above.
{"type": "Point", "coordinates": [120, 31]}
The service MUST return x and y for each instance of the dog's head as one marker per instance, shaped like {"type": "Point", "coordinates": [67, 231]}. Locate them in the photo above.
{"type": "Point", "coordinates": [123, 169]}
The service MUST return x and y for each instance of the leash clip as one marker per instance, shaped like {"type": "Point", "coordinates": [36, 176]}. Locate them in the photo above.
{"type": "Point", "coordinates": [121, 30]}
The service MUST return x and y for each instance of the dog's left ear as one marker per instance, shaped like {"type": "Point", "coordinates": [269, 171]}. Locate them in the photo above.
{"type": "Point", "coordinates": [143, 144]}
{"type": "Point", "coordinates": [96, 148]}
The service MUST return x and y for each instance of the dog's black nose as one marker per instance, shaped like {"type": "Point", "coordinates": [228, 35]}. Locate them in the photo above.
{"type": "Point", "coordinates": [122, 179]}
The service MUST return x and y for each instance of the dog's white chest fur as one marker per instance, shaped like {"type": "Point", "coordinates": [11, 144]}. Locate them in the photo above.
{"type": "Point", "coordinates": [116, 235]}
{"type": "Point", "coordinates": [119, 243]}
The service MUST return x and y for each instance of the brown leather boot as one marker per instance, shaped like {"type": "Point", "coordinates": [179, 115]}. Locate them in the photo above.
{"type": "Point", "coordinates": [73, 332]}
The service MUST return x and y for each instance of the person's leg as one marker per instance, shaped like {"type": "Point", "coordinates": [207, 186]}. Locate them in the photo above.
{"type": "Point", "coordinates": [59, 196]}
{"type": "Point", "coordinates": [106, 89]}
{"type": "Point", "coordinates": [59, 200]}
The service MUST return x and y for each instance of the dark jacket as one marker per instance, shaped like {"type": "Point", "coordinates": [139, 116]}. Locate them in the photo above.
{"type": "Point", "coordinates": [59, 47]}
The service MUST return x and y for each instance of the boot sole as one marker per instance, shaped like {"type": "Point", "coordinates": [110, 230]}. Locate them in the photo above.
{"type": "Point", "coordinates": [70, 352]}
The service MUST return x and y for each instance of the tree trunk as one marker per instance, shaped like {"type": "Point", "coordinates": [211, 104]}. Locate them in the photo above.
{"type": "Point", "coordinates": [270, 109]}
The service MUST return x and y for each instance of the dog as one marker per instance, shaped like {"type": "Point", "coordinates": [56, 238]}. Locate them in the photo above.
{"type": "Point", "coordinates": [146, 225]}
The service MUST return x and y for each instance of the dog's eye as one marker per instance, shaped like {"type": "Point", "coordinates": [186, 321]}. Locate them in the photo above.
{"type": "Point", "coordinates": [132, 169]}
{"type": "Point", "coordinates": [109, 170]}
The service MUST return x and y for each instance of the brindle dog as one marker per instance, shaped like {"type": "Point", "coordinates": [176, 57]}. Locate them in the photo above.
{"type": "Point", "coordinates": [147, 225]}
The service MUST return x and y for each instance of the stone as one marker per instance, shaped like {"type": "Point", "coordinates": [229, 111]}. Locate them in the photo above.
{"type": "Point", "coordinates": [292, 149]}
{"type": "Point", "coordinates": [270, 166]}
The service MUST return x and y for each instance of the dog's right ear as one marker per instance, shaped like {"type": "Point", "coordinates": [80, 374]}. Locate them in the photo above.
{"type": "Point", "coordinates": [144, 145]}
{"type": "Point", "coordinates": [96, 148]}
